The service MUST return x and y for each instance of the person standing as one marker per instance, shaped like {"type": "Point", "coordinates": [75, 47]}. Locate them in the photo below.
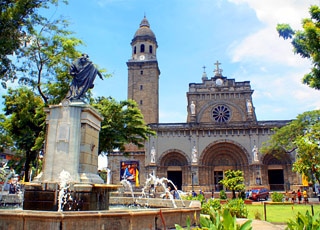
{"type": "Point", "coordinates": [305, 196]}
{"type": "Point", "coordinates": [299, 196]}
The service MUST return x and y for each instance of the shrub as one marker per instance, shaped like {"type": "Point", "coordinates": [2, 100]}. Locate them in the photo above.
{"type": "Point", "coordinates": [276, 197]}
{"type": "Point", "coordinates": [304, 221]}
{"type": "Point", "coordinates": [210, 204]}
{"type": "Point", "coordinates": [224, 222]}
{"type": "Point", "coordinates": [223, 195]}
{"type": "Point", "coordinates": [237, 208]}
{"type": "Point", "coordinates": [257, 215]}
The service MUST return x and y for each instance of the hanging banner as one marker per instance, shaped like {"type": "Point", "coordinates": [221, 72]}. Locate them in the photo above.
{"type": "Point", "coordinates": [129, 170]}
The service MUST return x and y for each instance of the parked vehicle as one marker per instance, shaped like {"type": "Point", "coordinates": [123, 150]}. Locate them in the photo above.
{"type": "Point", "coordinates": [259, 193]}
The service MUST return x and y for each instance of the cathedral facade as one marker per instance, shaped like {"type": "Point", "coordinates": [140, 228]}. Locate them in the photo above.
{"type": "Point", "coordinates": [221, 131]}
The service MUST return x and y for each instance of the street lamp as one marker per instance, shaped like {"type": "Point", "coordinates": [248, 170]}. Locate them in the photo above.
{"type": "Point", "coordinates": [192, 176]}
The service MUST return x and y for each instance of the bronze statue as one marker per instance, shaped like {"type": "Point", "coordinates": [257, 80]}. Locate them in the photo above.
{"type": "Point", "coordinates": [84, 73]}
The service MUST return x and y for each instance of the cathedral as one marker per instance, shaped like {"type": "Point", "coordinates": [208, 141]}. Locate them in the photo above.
{"type": "Point", "coordinates": [221, 131]}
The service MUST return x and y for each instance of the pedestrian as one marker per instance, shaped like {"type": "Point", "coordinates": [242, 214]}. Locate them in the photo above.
{"type": "Point", "coordinates": [305, 196]}
{"type": "Point", "coordinates": [287, 196]}
{"type": "Point", "coordinates": [212, 194]}
{"type": "Point", "coordinates": [293, 196]}
{"type": "Point", "coordinates": [299, 196]}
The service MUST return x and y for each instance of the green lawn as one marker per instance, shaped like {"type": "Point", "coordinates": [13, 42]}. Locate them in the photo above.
{"type": "Point", "coordinates": [280, 213]}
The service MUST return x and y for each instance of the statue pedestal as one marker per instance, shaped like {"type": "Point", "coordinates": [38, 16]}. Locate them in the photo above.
{"type": "Point", "coordinates": [71, 145]}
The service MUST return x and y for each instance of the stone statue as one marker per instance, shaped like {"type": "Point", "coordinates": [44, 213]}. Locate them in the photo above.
{"type": "Point", "coordinates": [255, 153]}
{"type": "Point", "coordinates": [249, 106]}
{"type": "Point", "coordinates": [194, 155]}
{"type": "Point", "coordinates": [193, 108]}
{"type": "Point", "coordinates": [153, 155]}
{"type": "Point", "coordinates": [84, 73]}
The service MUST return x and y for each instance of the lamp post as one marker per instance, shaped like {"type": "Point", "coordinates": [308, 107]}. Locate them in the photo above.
{"type": "Point", "coordinates": [192, 176]}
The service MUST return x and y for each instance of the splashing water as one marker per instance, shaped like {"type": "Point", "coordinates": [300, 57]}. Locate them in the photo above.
{"type": "Point", "coordinates": [64, 184]}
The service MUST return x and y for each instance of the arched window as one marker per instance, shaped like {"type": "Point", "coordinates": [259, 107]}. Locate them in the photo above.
{"type": "Point", "coordinates": [135, 50]}
{"type": "Point", "coordinates": [150, 49]}
{"type": "Point", "coordinates": [141, 72]}
{"type": "Point", "coordinates": [141, 102]}
{"type": "Point", "coordinates": [142, 48]}
{"type": "Point", "coordinates": [141, 87]}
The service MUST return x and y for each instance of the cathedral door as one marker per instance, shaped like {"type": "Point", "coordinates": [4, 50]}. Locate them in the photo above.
{"type": "Point", "coordinates": [218, 176]}
{"type": "Point", "coordinates": [176, 178]}
{"type": "Point", "coordinates": [276, 179]}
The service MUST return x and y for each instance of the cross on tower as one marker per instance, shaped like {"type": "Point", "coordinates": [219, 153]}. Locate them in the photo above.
{"type": "Point", "coordinates": [204, 68]}
{"type": "Point", "coordinates": [217, 71]}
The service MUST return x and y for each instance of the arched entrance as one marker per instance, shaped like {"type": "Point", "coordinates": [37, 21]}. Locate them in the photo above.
{"type": "Point", "coordinates": [219, 157]}
{"type": "Point", "coordinates": [173, 165]}
{"type": "Point", "coordinates": [278, 170]}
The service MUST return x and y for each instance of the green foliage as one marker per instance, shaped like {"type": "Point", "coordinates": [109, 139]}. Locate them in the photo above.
{"type": "Point", "coordinates": [123, 124]}
{"type": "Point", "coordinates": [199, 197]}
{"type": "Point", "coordinates": [17, 20]}
{"type": "Point", "coordinates": [301, 135]}
{"type": "Point", "coordinates": [306, 43]}
{"type": "Point", "coordinates": [237, 208]}
{"type": "Point", "coordinates": [25, 123]}
{"type": "Point", "coordinates": [217, 221]}
{"type": "Point", "coordinates": [223, 195]}
{"type": "Point", "coordinates": [277, 197]}
{"type": "Point", "coordinates": [207, 207]}
{"type": "Point", "coordinates": [225, 221]}
{"type": "Point", "coordinates": [257, 215]}
{"type": "Point", "coordinates": [233, 180]}
{"type": "Point", "coordinates": [304, 221]}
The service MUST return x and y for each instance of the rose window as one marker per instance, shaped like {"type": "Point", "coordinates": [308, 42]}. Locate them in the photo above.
{"type": "Point", "coordinates": [221, 114]}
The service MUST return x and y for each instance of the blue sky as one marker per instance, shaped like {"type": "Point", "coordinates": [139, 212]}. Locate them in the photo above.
{"type": "Point", "coordinates": [240, 34]}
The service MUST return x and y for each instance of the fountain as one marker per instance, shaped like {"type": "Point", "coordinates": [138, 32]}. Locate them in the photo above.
{"type": "Point", "coordinates": [71, 141]}
{"type": "Point", "coordinates": [69, 193]}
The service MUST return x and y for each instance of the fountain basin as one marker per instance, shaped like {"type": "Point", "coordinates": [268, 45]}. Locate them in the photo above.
{"type": "Point", "coordinates": [162, 218]}
{"type": "Point", "coordinates": [86, 197]}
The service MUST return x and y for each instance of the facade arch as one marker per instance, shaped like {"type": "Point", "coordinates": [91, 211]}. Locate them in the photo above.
{"type": "Point", "coordinates": [173, 155]}
{"type": "Point", "coordinates": [218, 157]}
{"type": "Point", "coordinates": [214, 103]}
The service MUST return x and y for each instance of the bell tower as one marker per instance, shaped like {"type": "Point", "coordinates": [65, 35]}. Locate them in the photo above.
{"type": "Point", "coordinates": [143, 72]}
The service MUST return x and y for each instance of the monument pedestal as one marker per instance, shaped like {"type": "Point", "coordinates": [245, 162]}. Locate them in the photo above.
{"type": "Point", "coordinates": [72, 146]}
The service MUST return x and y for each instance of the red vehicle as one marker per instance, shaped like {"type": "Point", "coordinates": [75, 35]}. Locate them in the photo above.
{"type": "Point", "coordinates": [259, 193]}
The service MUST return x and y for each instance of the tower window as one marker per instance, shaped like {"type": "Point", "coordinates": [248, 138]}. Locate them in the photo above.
{"type": "Point", "coordinates": [135, 50]}
{"type": "Point", "coordinates": [141, 102]}
{"type": "Point", "coordinates": [150, 49]}
{"type": "Point", "coordinates": [142, 48]}
{"type": "Point", "coordinates": [141, 72]}
{"type": "Point", "coordinates": [141, 87]}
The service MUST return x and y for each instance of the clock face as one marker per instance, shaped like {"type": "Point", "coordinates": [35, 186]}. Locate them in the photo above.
{"type": "Point", "coordinates": [142, 57]}
{"type": "Point", "coordinates": [219, 82]}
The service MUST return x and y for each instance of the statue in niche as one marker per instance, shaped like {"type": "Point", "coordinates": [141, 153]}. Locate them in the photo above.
{"type": "Point", "coordinates": [249, 107]}
{"type": "Point", "coordinates": [153, 155]}
{"type": "Point", "coordinates": [84, 73]}
{"type": "Point", "coordinates": [255, 153]}
{"type": "Point", "coordinates": [194, 155]}
{"type": "Point", "coordinates": [193, 108]}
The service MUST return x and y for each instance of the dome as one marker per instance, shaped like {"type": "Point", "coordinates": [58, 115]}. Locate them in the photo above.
{"type": "Point", "coordinates": [144, 29]}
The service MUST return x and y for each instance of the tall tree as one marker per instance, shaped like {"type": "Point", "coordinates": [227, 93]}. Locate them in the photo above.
{"type": "Point", "coordinates": [17, 20]}
{"type": "Point", "coordinates": [44, 61]}
{"type": "Point", "coordinates": [123, 124]}
{"type": "Point", "coordinates": [233, 180]}
{"type": "Point", "coordinates": [301, 135]}
{"type": "Point", "coordinates": [306, 43]}
{"type": "Point", "coordinates": [25, 122]}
